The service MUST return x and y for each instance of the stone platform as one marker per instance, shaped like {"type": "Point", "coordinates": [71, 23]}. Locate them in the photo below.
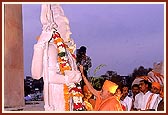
{"type": "Point", "coordinates": [29, 106]}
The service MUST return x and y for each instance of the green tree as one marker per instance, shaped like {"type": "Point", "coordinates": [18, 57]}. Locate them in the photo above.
{"type": "Point", "coordinates": [97, 81]}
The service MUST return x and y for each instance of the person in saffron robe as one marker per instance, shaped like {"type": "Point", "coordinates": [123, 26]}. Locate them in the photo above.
{"type": "Point", "coordinates": [105, 99]}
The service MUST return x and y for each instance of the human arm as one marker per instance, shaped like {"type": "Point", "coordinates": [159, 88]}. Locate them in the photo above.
{"type": "Point", "coordinates": [90, 87]}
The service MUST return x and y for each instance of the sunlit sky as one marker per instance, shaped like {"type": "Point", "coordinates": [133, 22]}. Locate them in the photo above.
{"type": "Point", "coordinates": [121, 36]}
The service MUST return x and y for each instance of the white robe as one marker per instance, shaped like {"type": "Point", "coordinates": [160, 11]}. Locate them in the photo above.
{"type": "Point", "coordinates": [141, 100]}
{"type": "Point", "coordinates": [53, 81]}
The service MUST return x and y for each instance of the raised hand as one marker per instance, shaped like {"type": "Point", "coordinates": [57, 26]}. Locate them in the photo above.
{"type": "Point", "coordinates": [81, 69]}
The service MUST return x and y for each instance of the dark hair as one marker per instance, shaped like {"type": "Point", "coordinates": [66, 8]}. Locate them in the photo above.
{"type": "Point", "coordinates": [121, 89]}
{"type": "Point", "coordinates": [125, 86]}
{"type": "Point", "coordinates": [80, 53]}
{"type": "Point", "coordinates": [135, 85]}
{"type": "Point", "coordinates": [82, 49]}
{"type": "Point", "coordinates": [145, 81]}
{"type": "Point", "coordinates": [148, 83]}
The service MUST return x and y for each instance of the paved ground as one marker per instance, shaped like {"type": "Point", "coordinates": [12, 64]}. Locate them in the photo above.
{"type": "Point", "coordinates": [29, 106]}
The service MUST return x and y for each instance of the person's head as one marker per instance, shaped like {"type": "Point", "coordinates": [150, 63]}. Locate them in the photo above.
{"type": "Point", "coordinates": [108, 89]}
{"type": "Point", "coordinates": [82, 50]}
{"type": "Point", "coordinates": [86, 92]}
{"type": "Point", "coordinates": [119, 92]}
{"type": "Point", "coordinates": [125, 90]}
{"type": "Point", "coordinates": [155, 87]}
{"type": "Point", "coordinates": [135, 89]}
{"type": "Point", "coordinates": [144, 86]}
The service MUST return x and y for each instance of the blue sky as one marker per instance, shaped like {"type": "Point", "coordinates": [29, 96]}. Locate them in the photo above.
{"type": "Point", "coordinates": [122, 36]}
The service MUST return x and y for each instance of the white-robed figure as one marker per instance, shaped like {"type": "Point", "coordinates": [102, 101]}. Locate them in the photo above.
{"type": "Point", "coordinates": [45, 60]}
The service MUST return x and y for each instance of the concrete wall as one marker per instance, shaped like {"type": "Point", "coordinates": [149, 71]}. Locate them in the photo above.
{"type": "Point", "coordinates": [14, 69]}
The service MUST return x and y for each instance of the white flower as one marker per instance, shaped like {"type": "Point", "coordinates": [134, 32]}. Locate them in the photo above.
{"type": "Point", "coordinates": [73, 92]}
{"type": "Point", "coordinates": [72, 85]}
{"type": "Point", "coordinates": [77, 99]}
{"type": "Point", "coordinates": [61, 49]}
{"type": "Point", "coordinates": [63, 58]}
{"type": "Point", "coordinates": [59, 43]}
{"type": "Point", "coordinates": [67, 64]}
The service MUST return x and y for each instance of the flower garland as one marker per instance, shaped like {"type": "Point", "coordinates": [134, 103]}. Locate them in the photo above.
{"type": "Point", "coordinates": [77, 96]}
{"type": "Point", "coordinates": [64, 65]}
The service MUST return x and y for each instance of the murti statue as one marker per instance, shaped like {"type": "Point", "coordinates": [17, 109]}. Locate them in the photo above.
{"type": "Point", "coordinates": [54, 60]}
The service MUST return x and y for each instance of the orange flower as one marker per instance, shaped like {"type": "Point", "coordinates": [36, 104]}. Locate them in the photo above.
{"type": "Point", "coordinates": [58, 40]}
{"type": "Point", "coordinates": [59, 59]}
{"type": "Point", "coordinates": [67, 68]}
{"type": "Point", "coordinates": [66, 97]}
{"type": "Point", "coordinates": [64, 65]}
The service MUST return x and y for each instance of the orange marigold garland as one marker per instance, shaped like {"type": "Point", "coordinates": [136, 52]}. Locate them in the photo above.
{"type": "Point", "coordinates": [75, 91]}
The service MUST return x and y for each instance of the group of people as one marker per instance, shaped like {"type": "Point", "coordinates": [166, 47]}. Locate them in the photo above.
{"type": "Point", "coordinates": [145, 96]}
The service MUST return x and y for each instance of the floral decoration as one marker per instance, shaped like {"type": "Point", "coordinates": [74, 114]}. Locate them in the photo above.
{"type": "Point", "coordinates": [69, 91]}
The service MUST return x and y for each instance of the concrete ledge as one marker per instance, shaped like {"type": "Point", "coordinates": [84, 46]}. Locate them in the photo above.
{"type": "Point", "coordinates": [29, 106]}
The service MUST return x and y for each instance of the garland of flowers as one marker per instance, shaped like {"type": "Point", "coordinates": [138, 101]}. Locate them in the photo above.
{"type": "Point", "coordinates": [77, 96]}
{"type": "Point", "coordinates": [64, 65]}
